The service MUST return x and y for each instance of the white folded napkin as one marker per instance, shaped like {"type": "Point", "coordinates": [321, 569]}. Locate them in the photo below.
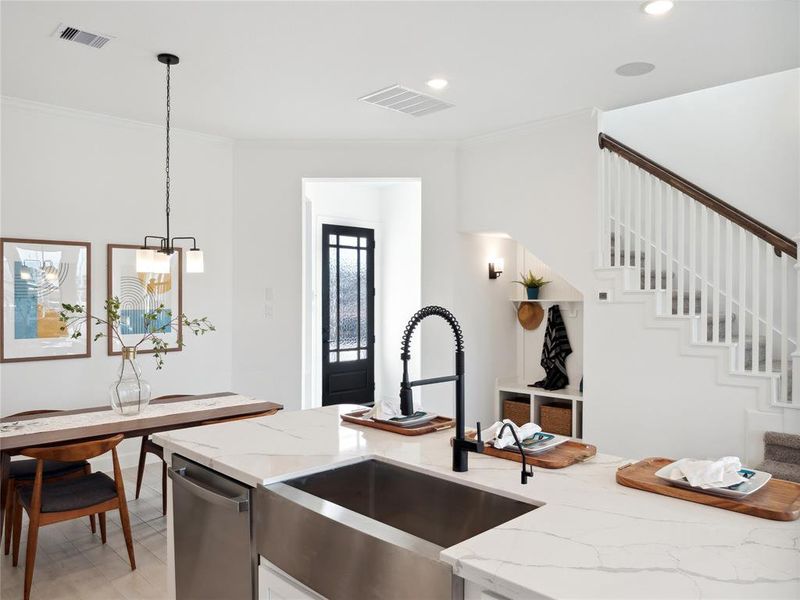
{"type": "Point", "coordinates": [385, 409]}
{"type": "Point", "coordinates": [490, 434]}
{"type": "Point", "coordinates": [707, 474]}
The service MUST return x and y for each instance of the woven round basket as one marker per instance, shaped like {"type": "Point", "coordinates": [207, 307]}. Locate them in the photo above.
{"type": "Point", "coordinates": [530, 315]}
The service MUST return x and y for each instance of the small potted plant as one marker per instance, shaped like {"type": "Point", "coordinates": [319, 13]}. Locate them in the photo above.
{"type": "Point", "coordinates": [531, 283]}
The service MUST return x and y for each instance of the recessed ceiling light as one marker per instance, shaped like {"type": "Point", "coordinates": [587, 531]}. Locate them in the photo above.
{"type": "Point", "coordinates": [437, 83]}
{"type": "Point", "coordinates": [634, 69]}
{"type": "Point", "coordinates": [658, 7]}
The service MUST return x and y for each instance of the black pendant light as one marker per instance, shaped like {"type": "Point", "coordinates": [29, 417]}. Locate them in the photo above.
{"type": "Point", "coordinates": [157, 260]}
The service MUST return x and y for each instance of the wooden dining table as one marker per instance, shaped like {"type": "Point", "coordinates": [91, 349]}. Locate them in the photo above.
{"type": "Point", "coordinates": [85, 424]}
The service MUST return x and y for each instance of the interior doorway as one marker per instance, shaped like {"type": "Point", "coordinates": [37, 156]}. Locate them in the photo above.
{"type": "Point", "coordinates": [348, 315]}
{"type": "Point", "coordinates": [391, 209]}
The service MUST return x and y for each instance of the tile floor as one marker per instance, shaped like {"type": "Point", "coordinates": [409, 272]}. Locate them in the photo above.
{"type": "Point", "coordinates": [73, 564]}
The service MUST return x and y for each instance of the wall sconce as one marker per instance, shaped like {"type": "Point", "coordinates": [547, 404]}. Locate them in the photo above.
{"type": "Point", "coordinates": [496, 267]}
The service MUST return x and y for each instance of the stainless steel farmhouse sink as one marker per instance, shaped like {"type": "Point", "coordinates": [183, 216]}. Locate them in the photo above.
{"type": "Point", "coordinates": [373, 529]}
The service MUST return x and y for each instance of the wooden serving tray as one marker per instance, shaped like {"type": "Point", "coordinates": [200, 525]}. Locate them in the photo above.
{"type": "Point", "coordinates": [778, 500]}
{"type": "Point", "coordinates": [437, 424]}
{"type": "Point", "coordinates": [563, 455]}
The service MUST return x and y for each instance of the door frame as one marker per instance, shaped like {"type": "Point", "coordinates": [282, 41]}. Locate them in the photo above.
{"type": "Point", "coordinates": [312, 303]}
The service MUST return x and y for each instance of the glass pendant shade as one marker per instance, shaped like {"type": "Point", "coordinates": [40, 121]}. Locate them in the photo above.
{"type": "Point", "coordinates": [161, 263]}
{"type": "Point", "coordinates": [194, 261]}
{"type": "Point", "coordinates": [144, 260]}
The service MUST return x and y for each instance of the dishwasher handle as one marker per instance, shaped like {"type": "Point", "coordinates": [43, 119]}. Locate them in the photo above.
{"type": "Point", "coordinates": [180, 478]}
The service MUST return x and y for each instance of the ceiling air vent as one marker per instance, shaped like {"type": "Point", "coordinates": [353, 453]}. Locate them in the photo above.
{"type": "Point", "coordinates": [406, 101]}
{"type": "Point", "coordinates": [73, 34]}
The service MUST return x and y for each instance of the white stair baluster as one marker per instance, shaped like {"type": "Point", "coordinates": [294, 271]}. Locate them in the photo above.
{"type": "Point", "coordinates": [795, 366]}
{"type": "Point", "coordinates": [692, 257]}
{"type": "Point", "coordinates": [628, 222]}
{"type": "Point", "coordinates": [658, 223]}
{"type": "Point", "coordinates": [703, 272]}
{"type": "Point", "coordinates": [769, 312]}
{"type": "Point", "coordinates": [637, 225]}
{"type": "Point", "coordinates": [681, 248]}
{"type": "Point", "coordinates": [669, 208]}
{"type": "Point", "coordinates": [742, 299]}
{"type": "Point", "coordinates": [715, 287]}
{"type": "Point", "coordinates": [784, 295]}
{"type": "Point", "coordinates": [601, 217]}
{"type": "Point", "coordinates": [728, 281]}
{"type": "Point", "coordinates": [756, 292]}
{"type": "Point", "coordinates": [648, 231]}
{"type": "Point", "coordinates": [618, 213]}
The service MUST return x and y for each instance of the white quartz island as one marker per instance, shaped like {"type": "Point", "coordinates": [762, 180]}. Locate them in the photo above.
{"type": "Point", "coordinates": [591, 538]}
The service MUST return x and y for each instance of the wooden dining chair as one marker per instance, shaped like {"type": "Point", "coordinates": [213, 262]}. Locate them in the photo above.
{"type": "Point", "coordinates": [53, 502]}
{"type": "Point", "coordinates": [22, 473]}
{"type": "Point", "coordinates": [148, 446]}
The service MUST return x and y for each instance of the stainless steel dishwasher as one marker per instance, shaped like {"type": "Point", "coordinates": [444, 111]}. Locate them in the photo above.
{"type": "Point", "coordinates": [211, 517]}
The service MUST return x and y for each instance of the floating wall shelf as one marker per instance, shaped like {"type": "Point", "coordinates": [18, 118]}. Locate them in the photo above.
{"type": "Point", "coordinates": [572, 303]}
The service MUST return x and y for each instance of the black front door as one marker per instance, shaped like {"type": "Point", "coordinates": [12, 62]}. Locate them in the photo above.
{"type": "Point", "coordinates": [348, 315]}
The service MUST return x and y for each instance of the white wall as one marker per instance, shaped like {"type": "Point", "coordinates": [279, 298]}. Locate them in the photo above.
{"type": "Point", "coordinates": [400, 295]}
{"type": "Point", "coordinates": [393, 210]}
{"type": "Point", "coordinates": [538, 185]}
{"type": "Point", "coordinates": [488, 321]}
{"type": "Point", "coordinates": [739, 141]}
{"type": "Point", "coordinates": [68, 175]}
{"type": "Point", "coordinates": [268, 232]}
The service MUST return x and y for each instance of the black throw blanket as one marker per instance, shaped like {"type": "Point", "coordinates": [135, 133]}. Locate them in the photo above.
{"type": "Point", "coordinates": [555, 351]}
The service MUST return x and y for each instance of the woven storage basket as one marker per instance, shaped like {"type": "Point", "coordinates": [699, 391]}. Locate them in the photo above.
{"type": "Point", "coordinates": [556, 418]}
{"type": "Point", "coordinates": [517, 409]}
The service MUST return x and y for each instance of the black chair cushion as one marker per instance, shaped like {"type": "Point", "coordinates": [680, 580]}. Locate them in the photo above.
{"type": "Point", "coordinates": [72, 494]}
{"type": "Point", "coordinates": [26, 469]}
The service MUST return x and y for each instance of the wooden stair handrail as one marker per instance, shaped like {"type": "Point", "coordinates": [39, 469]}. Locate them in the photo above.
{"type": "Point", "coordinates": [777, 240]}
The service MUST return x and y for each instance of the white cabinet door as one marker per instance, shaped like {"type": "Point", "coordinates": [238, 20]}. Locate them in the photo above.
{"type": "Point", "coordinates": [274, 584]}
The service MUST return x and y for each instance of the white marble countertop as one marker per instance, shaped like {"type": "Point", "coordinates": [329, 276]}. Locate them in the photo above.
{"type": "Point", "coordinates": [591, 538]}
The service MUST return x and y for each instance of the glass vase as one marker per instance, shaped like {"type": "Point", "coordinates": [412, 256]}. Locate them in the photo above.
{"type": "Point", "coordinates": [129, 393]}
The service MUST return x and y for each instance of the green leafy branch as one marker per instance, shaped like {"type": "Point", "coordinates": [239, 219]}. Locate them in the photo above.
{"type": "Point", "coordinates": [73, 316]}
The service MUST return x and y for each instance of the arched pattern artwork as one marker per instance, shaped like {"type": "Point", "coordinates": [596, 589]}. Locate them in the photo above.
{"type": "Point", "coordinates": [143, 293]}
{"type": "Point", "coordinates": [140, 294]}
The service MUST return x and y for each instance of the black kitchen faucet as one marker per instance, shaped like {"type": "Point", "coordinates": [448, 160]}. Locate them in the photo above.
{"type": "Point", "coordinates": [461, 445]}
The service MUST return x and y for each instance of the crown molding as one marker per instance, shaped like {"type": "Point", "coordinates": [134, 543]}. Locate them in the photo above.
{"type": "Point", "coordinates": [74, 113]}
{"type": "Point", "coordinates": [519, 130]}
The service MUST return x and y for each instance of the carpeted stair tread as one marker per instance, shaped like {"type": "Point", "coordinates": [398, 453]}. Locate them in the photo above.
{"type": "Point", "coordinates": [781, 470]}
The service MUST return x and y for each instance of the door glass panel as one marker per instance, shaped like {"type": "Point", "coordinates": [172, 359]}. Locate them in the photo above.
{"type": "Point", "coordinates": [348, 355]}
{"type": "Point", "coordinates": [362, 291]}
{"type": "Point", "coordinates": [347, 240]}
{"type": "Point", "coordinates": [332, 239]}
{"type": "Point", "coordinates": [348, 298]}
{"type": "Point", "coordinates": [332, 357]}
{"type": "Point", "coordinates": [362, 242]}
{"type": "Point", "coordinates": [333, 273]}
{"type": "Point", "coordinates": [362, 354]}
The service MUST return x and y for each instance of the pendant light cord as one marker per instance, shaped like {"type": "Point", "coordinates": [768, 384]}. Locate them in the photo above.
{"type": "Point", "coordinates": [168, 244]}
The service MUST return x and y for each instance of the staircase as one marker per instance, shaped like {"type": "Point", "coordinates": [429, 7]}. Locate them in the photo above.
{"type": "Point", "coordinates": [733, 279]}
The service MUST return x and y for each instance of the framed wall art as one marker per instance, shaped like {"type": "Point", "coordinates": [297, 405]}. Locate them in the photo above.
{"type": "Point", "coordinates": [141, 293]}
{"type": "Point", "coordinates": [38, 277]}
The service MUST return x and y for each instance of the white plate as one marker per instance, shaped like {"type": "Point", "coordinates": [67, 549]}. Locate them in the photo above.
{"type": "Point", "coordinates": [421, 420]}
{"type": "Point", "coordinates": [740, 490]}
{"type": "Point", "coordinates": [542, 447]}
